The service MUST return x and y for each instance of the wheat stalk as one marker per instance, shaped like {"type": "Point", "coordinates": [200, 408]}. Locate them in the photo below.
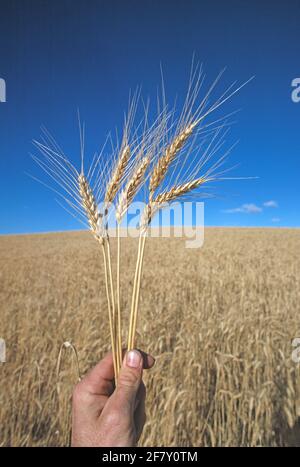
{"type": "Point", "coordinates": [125, 179]}
{"type": "Point", "coordinates": [125, 199]}
{"type": "Point", "coordinates": [156, 178]}
{"type": "Point", "coordinates": [135, 292]}
{"type": "Point", "coordinates": [157, 203]}
{"type": "Point", "coordinates": [93, 217]}
{"type": "Point", "coordinates": [111, 192]}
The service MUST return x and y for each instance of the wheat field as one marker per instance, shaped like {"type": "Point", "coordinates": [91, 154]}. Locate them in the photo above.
{"type": "Point", "coordinates": [220, 321]}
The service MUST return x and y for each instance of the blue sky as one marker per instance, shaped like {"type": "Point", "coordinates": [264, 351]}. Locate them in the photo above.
{"type": "Point", "coordinates": [57, 56]}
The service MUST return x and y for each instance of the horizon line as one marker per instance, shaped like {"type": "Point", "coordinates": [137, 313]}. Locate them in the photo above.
{"type": "Point", "coordinates": [49, 232]}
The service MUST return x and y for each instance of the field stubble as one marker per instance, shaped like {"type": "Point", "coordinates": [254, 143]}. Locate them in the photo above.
{"type": "Point", "coordinates": [219, 320]}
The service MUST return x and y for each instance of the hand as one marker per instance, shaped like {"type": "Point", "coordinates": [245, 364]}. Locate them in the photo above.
{"type": "Point", "coordinates": [104, 416]}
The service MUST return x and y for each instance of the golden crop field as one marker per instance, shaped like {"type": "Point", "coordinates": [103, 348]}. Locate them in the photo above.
{"type": "Point", "coordinates": [220, 321]}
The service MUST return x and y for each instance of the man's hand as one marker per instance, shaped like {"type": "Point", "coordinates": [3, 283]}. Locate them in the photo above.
{"type": "Point", "coordinates": [104, 416]}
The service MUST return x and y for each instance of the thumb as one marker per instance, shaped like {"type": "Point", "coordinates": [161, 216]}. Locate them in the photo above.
{"type": "Point", "coordinates": [129, 380]}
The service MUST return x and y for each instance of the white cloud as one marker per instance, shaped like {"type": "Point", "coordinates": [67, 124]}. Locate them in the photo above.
{"type": "Point", "coordinates": [249, 208]}
{"type": "Point", "coordinates": [275, 219]}
{"type": "Point", "coordinates": [271, 204]}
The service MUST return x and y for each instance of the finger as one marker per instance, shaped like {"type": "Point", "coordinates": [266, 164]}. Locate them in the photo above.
{"type": "Point", "coordinates": [129, 381]}
{"type": "Point", "coordinates": [148, 360]}
{"type": "Point", "coordinates": [99, 380]}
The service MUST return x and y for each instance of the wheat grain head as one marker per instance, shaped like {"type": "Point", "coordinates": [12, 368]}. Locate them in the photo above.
{"type": "Point", "coordinates": [160, 200]}
{"type": "Point", "coordinates": [117, 175]}
{"type": "Point", "coordinates": [131, 188]}
{"type": "Point", "coordinates": [164, 162]}
{"type": "Point", "coordinates": [90, 206]}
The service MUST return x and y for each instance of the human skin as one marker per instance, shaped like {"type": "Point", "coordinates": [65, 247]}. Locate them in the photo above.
{"type": "Point", "coordinates": [103, 415]}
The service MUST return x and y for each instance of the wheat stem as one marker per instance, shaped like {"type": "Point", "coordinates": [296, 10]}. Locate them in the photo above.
{"type": "Point", "coordinates": [138, 287]}
{"type": "Point", "coordinates": [118, 295]}
{"type": "Point", "coordinates": [90, 205]}
{"type": "Point", "coordinates": [111, 192]}
{"type": "Point", "coordinates": [111, 327]}
{"type": "Point", "coordinates": [131, 320]}
{"type": "Point", "coordinates": [153, 205]}
{"type": "Point", "coordinates": [112, 293]}
{"type": "Point", "coordinates": [125, 198]}
{"type": "Point", "coordinates": [156, 179]}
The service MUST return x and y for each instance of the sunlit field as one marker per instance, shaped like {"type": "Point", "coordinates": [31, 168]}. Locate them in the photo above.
{"type": "Point", "coordinates": [220, 321]}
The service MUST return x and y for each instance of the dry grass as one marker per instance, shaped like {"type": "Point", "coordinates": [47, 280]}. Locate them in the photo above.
{"type": "Point", "coordinates": [219, 320]}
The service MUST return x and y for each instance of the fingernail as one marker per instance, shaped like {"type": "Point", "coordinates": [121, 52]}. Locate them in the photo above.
{"type": "Point", "coordinates": [133, 359]}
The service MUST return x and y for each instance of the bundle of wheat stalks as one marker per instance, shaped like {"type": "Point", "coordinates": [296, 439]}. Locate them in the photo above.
{"type": "Point", "coordinates": [169, 158]}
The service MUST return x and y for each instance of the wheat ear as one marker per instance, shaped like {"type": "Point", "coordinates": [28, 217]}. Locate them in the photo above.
{"type": "Point", "coordinates": [93, 216]}
{"type": "Point", "coordinates": [117, 175]}
{"type": "Point", "coordinates": [90, 206]}
{"type": "Point", "coordinates": [168, 196]}
{"type": "Point", "coordinates": [167, 158]}
{"type": "Point", "coordinates": [179, 190]}
{"type": "Point", "coordinates": [131, 188]}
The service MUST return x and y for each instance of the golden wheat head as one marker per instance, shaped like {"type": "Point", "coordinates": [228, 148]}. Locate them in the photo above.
{"type": "Point", "coordinates": [90, 206]}
{"type": "Point", "coordinates": [118, 173]}
{"type": "Point", "coordinates": [131, 188]}
{"type": "Point", "coordinates": [164, 162]}
{"type": "Point", "coordinates": [166, 197]}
